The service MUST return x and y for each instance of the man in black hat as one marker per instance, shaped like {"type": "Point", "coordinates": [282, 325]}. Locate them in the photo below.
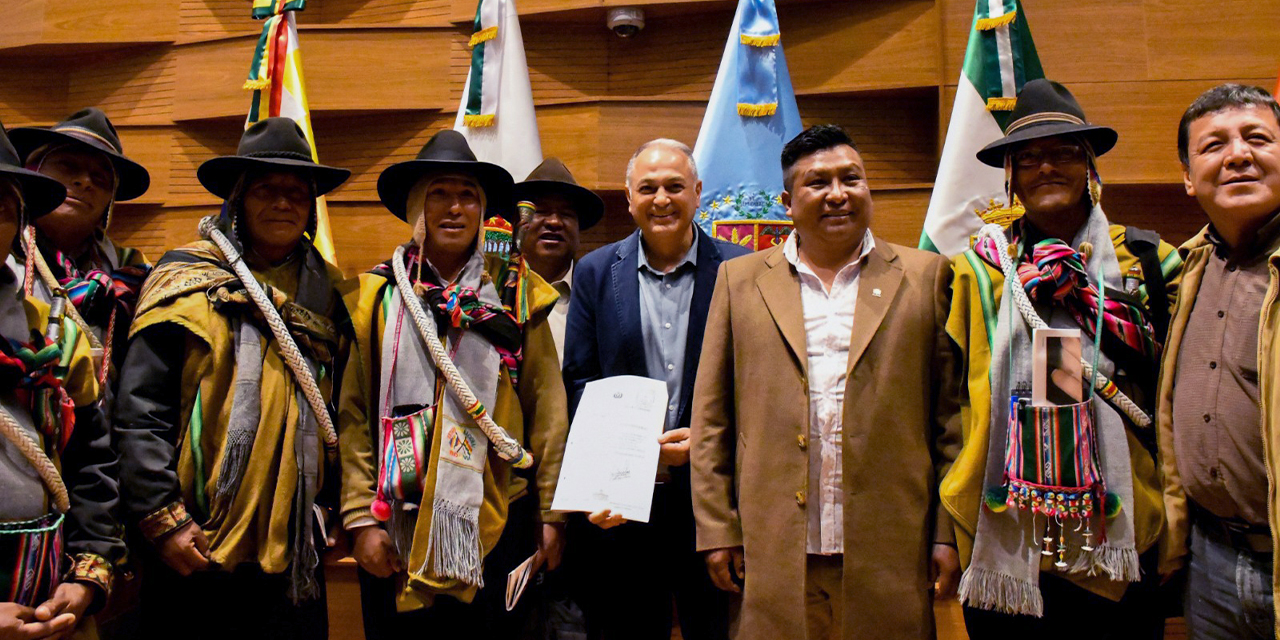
{"type": "Point", "coordinates": [222, 425]}
{"type": "Point", "coordinates": [1083, 565]}
{"type": "Point", "coordinates": [453, 422]}
{"type": "Point", "coordinates": [68, 251]}
{"type": "Point", "coordinates": [56, 463]}
{"type": "Point", "coordinates": [1217, 402]}
{"type": "Point", "coordinates": [562, 209]}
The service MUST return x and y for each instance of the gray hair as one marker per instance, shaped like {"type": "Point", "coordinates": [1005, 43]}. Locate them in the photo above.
{"type": "Point", "coordinates": [663, 142]}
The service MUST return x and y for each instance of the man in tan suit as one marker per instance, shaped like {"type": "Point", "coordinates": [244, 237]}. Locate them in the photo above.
{"type": "Point", "coordinates": [834, 330]}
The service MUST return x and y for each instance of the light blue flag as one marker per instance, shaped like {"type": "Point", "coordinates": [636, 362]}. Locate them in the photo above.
{"type": "Point", "coordinates": [751, 115]}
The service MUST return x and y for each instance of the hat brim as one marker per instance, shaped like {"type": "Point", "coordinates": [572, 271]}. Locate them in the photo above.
{"type": "Point", "coordinates": [1101, 138]}
{"type": "Point", "coordinates": [219, 175]}
{"type": "Point", "coordinates": [588, 205]}
{"type": "Point", "coordinates": [40, 193]}
{"type": "Point", "coordinates": [398, 179]}
{"type": "Point", "coordinates": [134, 178]}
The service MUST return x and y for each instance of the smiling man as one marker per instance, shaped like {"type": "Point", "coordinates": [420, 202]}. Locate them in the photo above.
{"type": "Point", "coordinates": [638, 308]}
{"type": "Point", "coordinates": [1063, 242]}
{"type": "Point", "coordinates": [1217, 404]}
{"type": "Point", "coordinates": [562, 209]}
{"type": "Point", "coordinates": [824, 414]}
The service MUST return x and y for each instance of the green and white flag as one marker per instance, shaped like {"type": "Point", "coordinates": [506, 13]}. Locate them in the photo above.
{"type": "Point", "coordinates": [496, 113]}
{"type": "Point", "coordinates": [1000, 58]}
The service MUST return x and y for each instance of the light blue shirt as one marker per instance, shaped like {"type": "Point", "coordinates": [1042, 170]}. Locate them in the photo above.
{"type": "Point", "coordinates": [665, 300]}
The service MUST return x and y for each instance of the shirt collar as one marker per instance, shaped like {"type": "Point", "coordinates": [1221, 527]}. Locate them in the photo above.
{"type": "Point", "coordinates": [565, 285]}
{"type": "Point", "coordinates": [1263, 243]}
{"type": "Point", "coordinates": [791, 250]}
{"type": "Point", "coordinates": [690, 256]}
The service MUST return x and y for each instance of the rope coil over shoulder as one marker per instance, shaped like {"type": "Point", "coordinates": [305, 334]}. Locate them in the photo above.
{"type": "Point", "coordinates": [34, 453]}
{"type": "Point", "coordinates": [288, 348]}
{"type": "Point", "coordinates": [1101, 383]}
{"type": "Point", "coordinates": [507, 447]}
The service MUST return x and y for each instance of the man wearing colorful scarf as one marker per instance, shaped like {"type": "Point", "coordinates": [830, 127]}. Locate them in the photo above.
{"type": "Point", "coordinates": [1056, 506]}
{"type": "Point", "coordinates": [222, 423]}
{"type": "Point", "coordinates": [68, 252]}
{"type": "Point", "coordinates": [453, 383]}
{"type": "Point", "coordinates": [58, 539]}
{"type": "Point", "coordinates": [1217, 411]}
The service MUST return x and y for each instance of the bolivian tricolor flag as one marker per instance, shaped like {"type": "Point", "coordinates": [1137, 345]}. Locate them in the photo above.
{"type": "Point", "coordinates": [1001, 57]}
{"type": "Point", "coordinates": [275, 77]}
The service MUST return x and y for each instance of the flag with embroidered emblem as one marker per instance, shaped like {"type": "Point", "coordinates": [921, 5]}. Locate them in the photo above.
{"type": "Point", "coordinates": [496, 112]}
{"type": "Point", "coordinates": [1000, 58]}
{"type": "Point", "coordinates": [752, 113]}
{"type": "Point", "coordinates": [275, 77]}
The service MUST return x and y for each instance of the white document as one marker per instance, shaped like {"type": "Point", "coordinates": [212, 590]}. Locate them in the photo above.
{"type": "Point", "coordinates": [611, 457]}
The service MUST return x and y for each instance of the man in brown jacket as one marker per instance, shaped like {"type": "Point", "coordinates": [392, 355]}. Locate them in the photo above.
{"type": "Point", "coordinates": [833, 330]}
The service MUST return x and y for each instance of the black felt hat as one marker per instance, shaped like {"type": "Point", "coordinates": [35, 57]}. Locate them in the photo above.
{"type": "Point", "coordinates": [1045, 109]}
{"type": "Point", "coordinates": [40, 193]}
{"type": "Point", "coordinates": [89, 127]}
{"type": "Point", "coordinates": [447, 152]}
{"type": "Point", "coordinates": [553, 177]}
{"type": "Point", "coordinates": [272, 144]}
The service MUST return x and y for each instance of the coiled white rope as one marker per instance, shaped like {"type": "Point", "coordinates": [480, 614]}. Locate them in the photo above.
{"type": "Point", "coordinates": [506, 446]}
{"type": "Point", "coordinates": [288, 348]}
{"type": "Point", "coordinates": [1028, 311]}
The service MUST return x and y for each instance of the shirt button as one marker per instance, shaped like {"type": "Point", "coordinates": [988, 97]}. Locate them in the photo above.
{"type": "Point", "coordinates": [666, 326]}
{"type": "Point", "coordinates": [668, 285]}
{"type": "Point", "coordinates": [1214, 473]}
{"type": "Point", "coordinates": [1231, 269]}
{"type": "Point", "coordinates": [1222, 314]}
{"type": "Point", "coordinates": [670, 367]}
{"type": "Point", "coordinates": [802, 441]}
{"type": "Point", "coordinates": [1207, 417]}
{"type": "Point", "coordinates": [1213, 365]}
{"type": "Point", "coordinates": [800, 498]}
{"type": "Point", "coordinates": [671, 407]}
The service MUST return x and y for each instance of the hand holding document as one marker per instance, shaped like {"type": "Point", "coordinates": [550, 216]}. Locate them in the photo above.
{"type": "Point", "coordinates": [612, 452]}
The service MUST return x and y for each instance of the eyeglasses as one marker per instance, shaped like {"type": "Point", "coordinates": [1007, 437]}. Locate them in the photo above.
{"type": "Point", "coordinates": [1032, 158]}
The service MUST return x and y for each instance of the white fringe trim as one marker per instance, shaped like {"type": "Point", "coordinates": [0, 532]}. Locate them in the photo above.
{"type": "Point", "coordinates": [455, 543]}
{"type": "Point", "coordinates": [985, 589]}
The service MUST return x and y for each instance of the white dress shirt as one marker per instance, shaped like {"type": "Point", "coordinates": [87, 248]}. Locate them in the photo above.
{"type": "Point", "coordinates": [560, 312]}
{"type": "Point", "coordinates": [828, 326]}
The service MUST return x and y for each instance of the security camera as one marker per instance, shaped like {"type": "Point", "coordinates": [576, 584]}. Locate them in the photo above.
{"type": "Point", "coordinates": [625, 21]}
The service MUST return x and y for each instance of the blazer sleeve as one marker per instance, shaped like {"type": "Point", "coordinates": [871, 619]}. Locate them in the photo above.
{"type": "Point", "coordinates": [948, 377]}
{"type": "Point", "coordinates": [581, 344]}
{"type": "Point", "coordinates": [712, 452]}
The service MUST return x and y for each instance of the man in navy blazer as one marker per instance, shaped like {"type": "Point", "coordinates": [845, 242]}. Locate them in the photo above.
{"type": "Point", "coordinates": [639, 307]}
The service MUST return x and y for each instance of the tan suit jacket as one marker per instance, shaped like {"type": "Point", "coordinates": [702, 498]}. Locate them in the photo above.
{"type": "Point", "coordinates": [901, 429]}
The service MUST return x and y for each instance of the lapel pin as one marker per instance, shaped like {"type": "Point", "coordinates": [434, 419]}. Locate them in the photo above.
{"type": "Point", "coordinates": [875, 293]}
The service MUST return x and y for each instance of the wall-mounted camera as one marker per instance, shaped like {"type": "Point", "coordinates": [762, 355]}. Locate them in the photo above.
{"type": "Point", "coordinates": [625, 21]}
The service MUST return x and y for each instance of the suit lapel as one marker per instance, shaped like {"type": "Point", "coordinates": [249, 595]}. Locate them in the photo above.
{"type": "Point", "coordinates": [878, 284]}
{"type": "Point", "coordinates": [626, 299]}
{"type": "Point", "coordinates": [704, 285]}
{"type": "Point", "coordinates": [780, 288]}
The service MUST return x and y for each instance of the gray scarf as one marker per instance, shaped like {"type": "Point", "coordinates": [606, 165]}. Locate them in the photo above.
{"type": "Point", "coordinates": [1004, 573]}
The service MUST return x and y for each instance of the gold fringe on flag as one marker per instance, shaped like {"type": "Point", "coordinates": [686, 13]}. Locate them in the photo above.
{"type": "Point", "coordinates": [483, 35]}
{"type": "Point", "coordinates": [1001, 104]}
{"type": "Point", "coordinates": [760, 41]}
{"type": "Point", "coordinates": [482, 120]}
{"type": "Point", "coordinates": [257, 85]}
{"type": "Point", "coordinates": [757, 110]}
{"type": "Point", "coordinates": [987, 24]}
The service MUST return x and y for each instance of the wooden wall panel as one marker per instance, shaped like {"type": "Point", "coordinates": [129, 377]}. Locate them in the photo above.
{"type": "Point", "coordinates": [682, 67]}
{"type": "Point", "coordinates": [41, 24]}
{"type": "Point", "coordinates": [560, 68]}
{"type": "Point", "coordinates": [347, 70]}
{"type": "Point", "coordinates": [369, 145]}
{"type": "Point", "coordinates": [893, 131]}
{"type": "Point", "coordinates": [32, 91]}
{"type": "Point", "coordinates": [382, 13]}
{"type": "Point", "coordinates": [133, 88]}
{"type": "Point", "coordinates": [571, 133]}
{"type": "Point", "coordinates": [861, 44]}
{"type": "Point", "coordinates": [208, 19]}
{"type": "Point", "coordinates": [1190, 40]}
{"type": "Point", "coordinates": [152, 147]}
{"type": "Point", "coordinates": [624, 126]}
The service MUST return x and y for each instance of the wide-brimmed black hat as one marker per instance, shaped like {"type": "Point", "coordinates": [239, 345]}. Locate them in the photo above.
{"type": "Point", "coordinates": [90, 127]}
{"type": "Point", "coordinates": [447, 152]}
{"type": "Point", "coordinates": [1045, 109]}
{"type": "Point", "coordinates": [272, 144]}
{"type": "Point", "coordinates": [40, 193]}
{"type": "Point", "coordinates": [553, 177]}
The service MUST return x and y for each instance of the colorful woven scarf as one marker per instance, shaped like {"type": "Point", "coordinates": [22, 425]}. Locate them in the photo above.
{"type": "Point", "coordinates": [1054, 273]}
{"type": "Point", "coordinates": [458, 306]}
{"type": "Point", "coordinates": [33, 371]}
{"type": "Point", "coordinates": [96, 293]}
